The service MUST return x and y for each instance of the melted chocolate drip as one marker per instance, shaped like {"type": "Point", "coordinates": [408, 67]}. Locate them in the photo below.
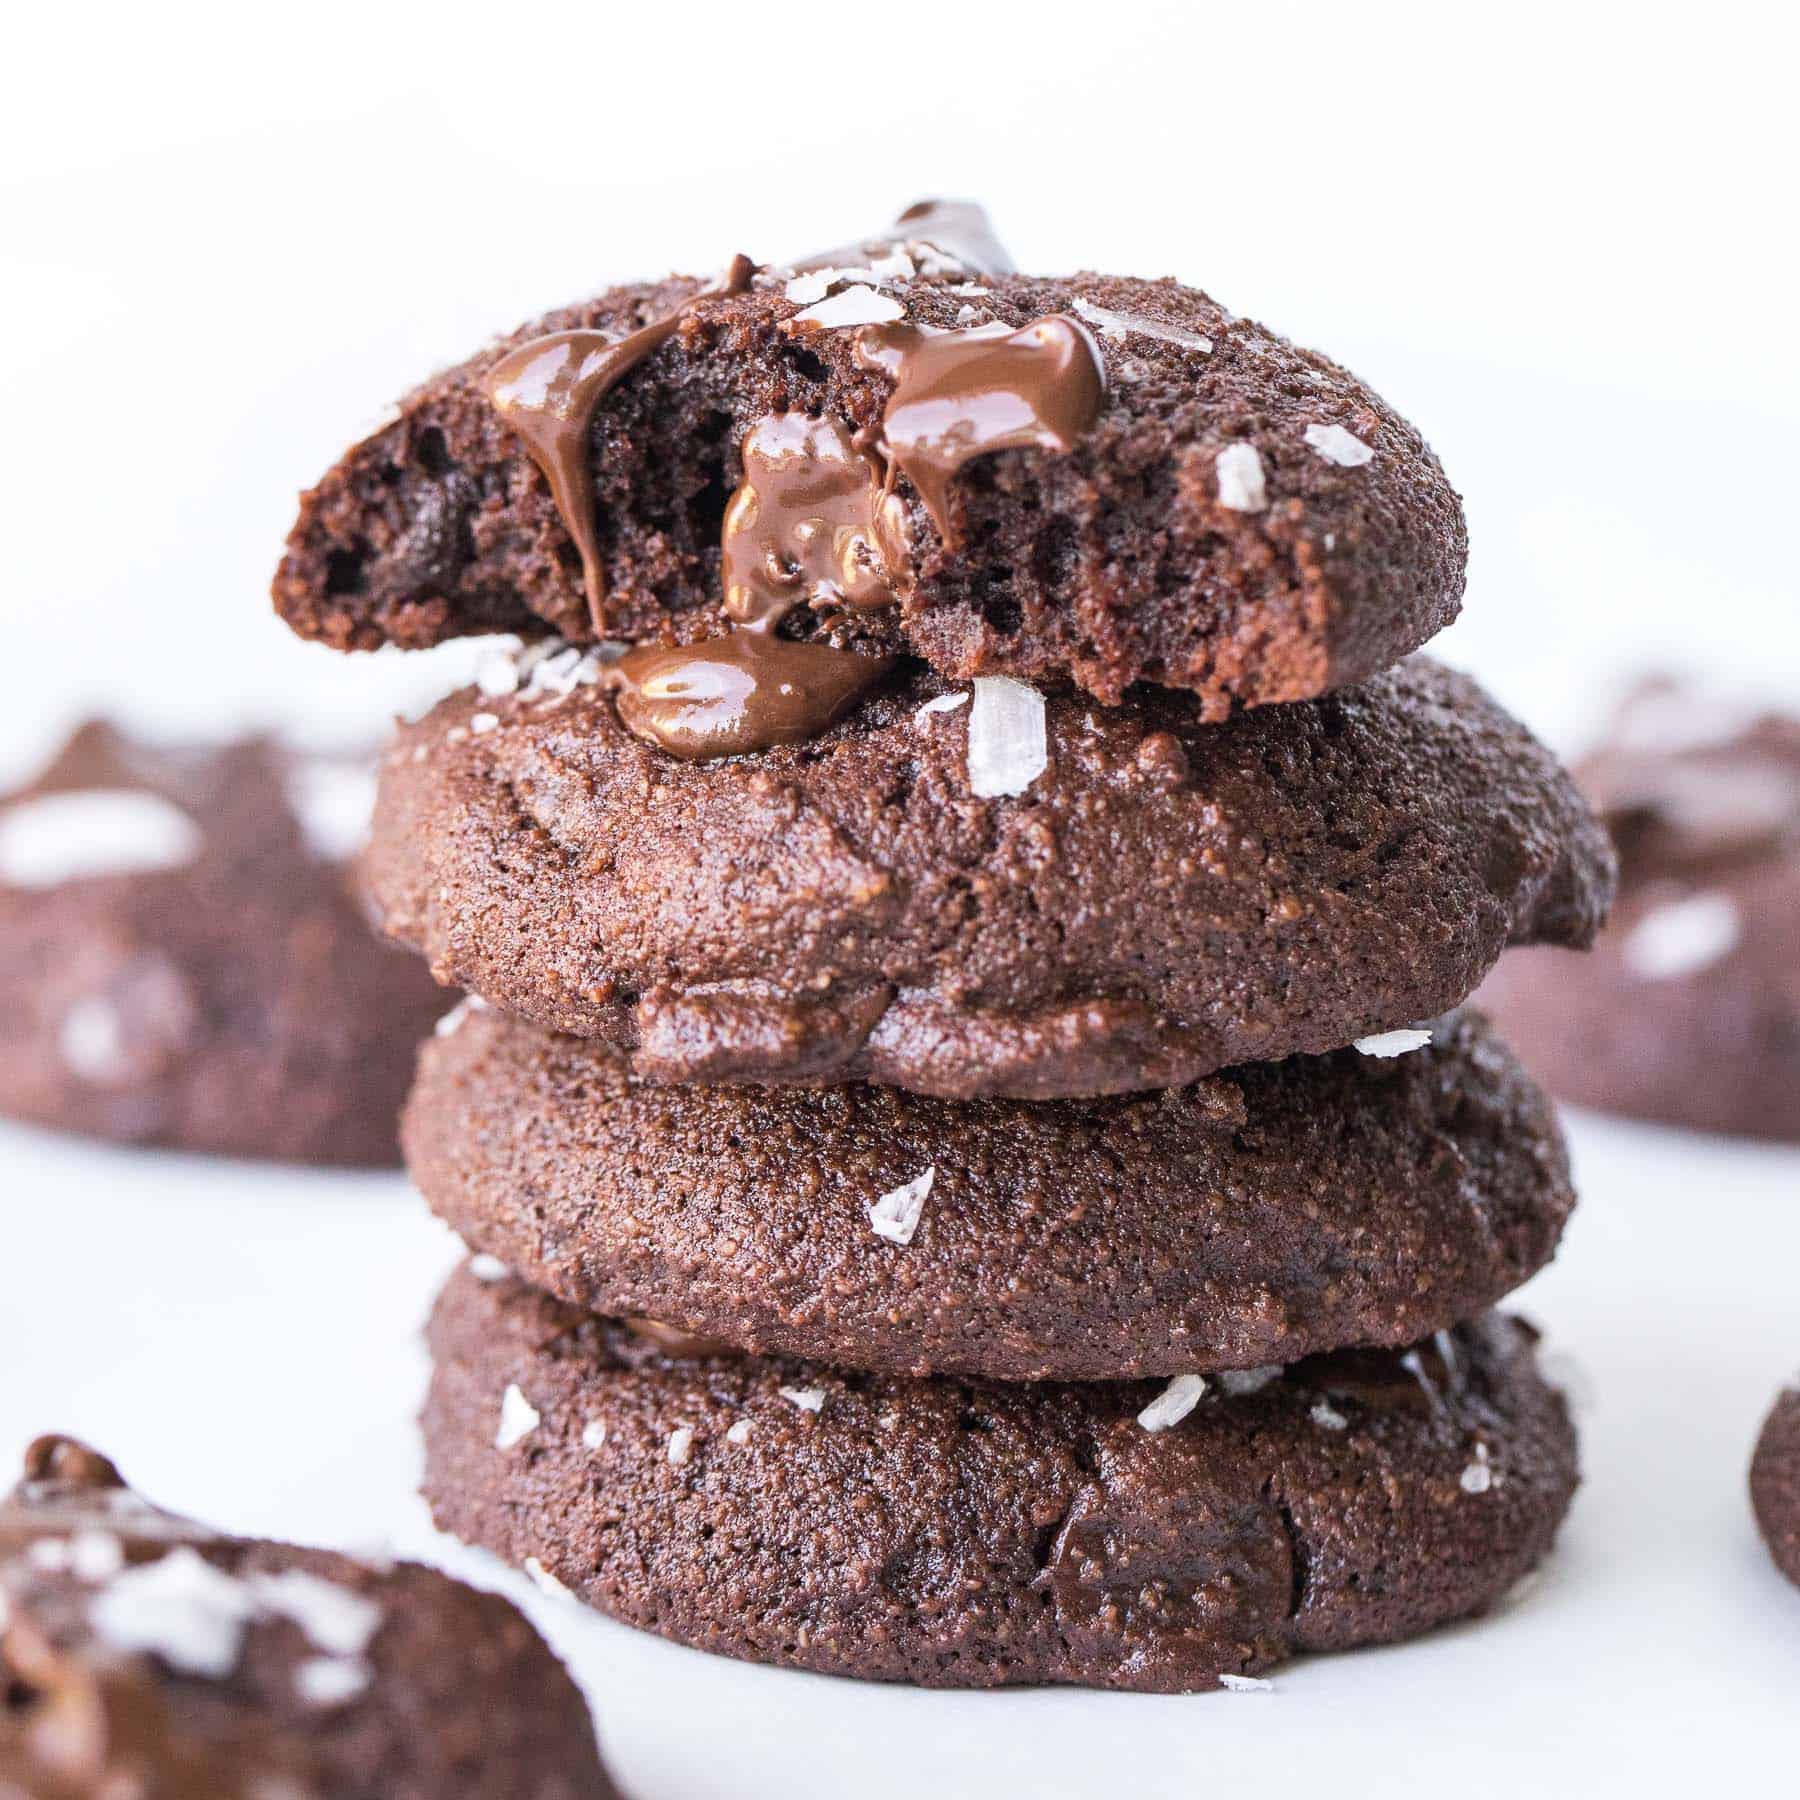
{"type": "Point", "coordinates": [962, 394]}
{"type": "Point", "coordinates": [800, 531]}
{"type": "Point", "coordinates": [548, 390]}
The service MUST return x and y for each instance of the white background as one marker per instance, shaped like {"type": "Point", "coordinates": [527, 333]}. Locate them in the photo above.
{"type": "Point", "coordinates": [1558, 237]}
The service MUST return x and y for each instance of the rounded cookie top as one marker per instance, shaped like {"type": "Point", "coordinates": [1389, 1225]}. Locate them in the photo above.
{"type": "Point", "coordinates": [182, 961]}
{"type": "Point", "coordinates": [1239, 517]}
{"type": "Point", "coordinates": [1162, 1537]}
{"type": "Point", "coordinates": [143, 1654]}
{"type": "Point", "coordinates": [1011, 894]}
{"type": "Point", "coordinates": [1270, 1212]}
{"type": "Point", "coordinates": [1775, 1482]}
{"type": "Point", "coordinates": [1688, 1010]}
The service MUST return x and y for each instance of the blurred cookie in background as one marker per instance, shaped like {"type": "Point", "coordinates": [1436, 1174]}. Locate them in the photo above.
{"type": "Point", "coordinates": [183, 961]}
{"type": "Point", "coordinates": [146, 1657]}
{"type": "Point", "coordinates": [1775, 1481]}
{"type": "Point", "coordinates": [1687, 1012]}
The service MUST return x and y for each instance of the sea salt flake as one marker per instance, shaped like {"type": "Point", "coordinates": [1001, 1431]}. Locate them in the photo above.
{"type": "Point", "coordinates": [895, 1216]}
{"type": "Point", "coordinates": [1117, 326]}
{"type": "Point", "coordinates": [1238, 1382]}
{"type": "Point", "coordinates": [593, 1434]}
{"type": "Point", "coordinates": [810, 1399]}
{"type": "Point", "coordinates": [681, 1444]}
{"type": "Point", "coordinates": [452, 1021]}
{"type": "Point", "coordinates": [814, 284]}
{"type": "Point", "coordinates": [333, 797]}
{"type": "Point", "coordinates": [942, 704]}
{"type": "Point", "coordinates": [1394, 1043]}
{"type": "Point", "coordinates": [1242, 485]}
{"type": "Point", "coordinates": [1682, 937]}
{"type": "Point", "coordinates": [179, 1608]}
{"type": "Point", "coordinates": [1246, 1684]}
{"type": "Point", "coordinates": [1477, 1478]}
{"type": "Point", "coordinates": [90, 1556]}
{"type": "Point", "coordinates": [518, 1419]}
{"type": "Point", "coordinates": [1008, 739]}
{"type": "Point", "coordinates": [101, 831]}
{"type": "Point", "coordinates": [1336, 445]}
{"type": "Point", "coordinates": [335, 1619]}
{"type": "Point", "coordinates": [497, 672]}
{"type": "Point", "coordinates": [544, 1581]}
{"type": "Point", "coordinates": [852, 306]}
{"type": "Point", "coordinates": [487, 1268]}
{"type": "Point", "coordinates": [481, 723]}
{"type": "Point", "coordinates": [1174, 1403]}
{"type": "Point", "coordinates": [1327, 1417]}
{"type": "Point", "coordinates": [326, 1681]}
{"type": "Point", "coordinates": [739, 1433]}
{"type": "Point", "coordinates": [91, 1041]}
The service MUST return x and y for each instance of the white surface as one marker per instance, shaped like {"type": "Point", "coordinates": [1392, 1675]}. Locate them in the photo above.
{"type": "Point", "coordinates": [1557, 238]}
{"type": "Point", "coordinates": [244, 1342]}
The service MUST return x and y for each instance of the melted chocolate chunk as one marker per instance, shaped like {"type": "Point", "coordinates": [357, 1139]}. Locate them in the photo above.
{"type": "Point", "coordinates": [547, 391]}
{"type": "Point", "coordinates": [963, 394]}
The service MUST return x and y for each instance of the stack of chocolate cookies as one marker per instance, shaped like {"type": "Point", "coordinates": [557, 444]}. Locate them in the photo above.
{"type": "Point", "coordinates": [975, 1171]}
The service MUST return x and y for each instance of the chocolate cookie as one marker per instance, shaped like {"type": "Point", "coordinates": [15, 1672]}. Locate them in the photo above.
{"type": "Point", "coordinates": [1272, 1211]}
{"type": "Point", "coordinates": [1087, 478]}
{"type": "Point", "coordinates": [144, 1657]}
{"type": "Point", "coordinates": [963, 1534]}
{"type": "Point", "coordinates": [1775, 1482]}
{"type": "Point", "coordinates": [183, 962]}
{"type": "Point", "coordinates": [1688, 1012]}
{"type": "Point", "coordinates": [1165, 898]}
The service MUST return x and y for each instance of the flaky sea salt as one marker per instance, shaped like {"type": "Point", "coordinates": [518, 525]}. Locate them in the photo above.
{"type": "Point", "coordinates": [851, 306]}
{"type": "Point", "coordinates": [593, 1434]}
{"type": "Point", "coordinates": [1477, 1478]}
{"type": "Point", "coordinates": [179, 1608]}
{"type": "Point", "coordinates": [739, 1433]}
{"type": "Point", "coordinates": [518, 1419]}
{"type": "Point", "coordinates": [487, 1268]}
{"type": "Point", "coordinates": [100, 831]}
{"type": "Point", "coordinates": [1117, 326]}
{"type": "Point", "coordinates": [942, 704]}
{"type": "Point", "coordinates": [1242, 485]}
{"type": "Point", "coordinates": [1174, 1403]}
{"type": "Point", "coordinates": [1394, 1043]}
{"type": "Point", "coordinates": [1336, 445]}
{"type": "Point", "coordinates": [1238, 1382]}
{"type": "Point", "coordinates": [91, 1041]}
{"type": "Point", "coordinates": [88, 1555]}
{"type": "Point", "coordinates": [336, 1619]}
{"type": "Point", "coordinates": [1682, 937]}
{"type": "Point", "coordinates": [808, 1399]}
{"type": "Point", "coordinates": [1008, 739]}
{"type": "Point", "coordinates": [1246, 1684]}
{"type": "Point", "coordinates": [481, 723]}
{"type": "Point", "coordinates": [895, 1216]}
{"type": "Point", "coordinates": [681, 1444]}
{"type": "Point", "coordinates": [326, 1681]}
{"type": "Point", "coordinates": [1327, 1417]}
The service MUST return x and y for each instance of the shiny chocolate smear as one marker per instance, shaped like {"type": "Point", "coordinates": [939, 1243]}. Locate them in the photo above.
{"type": "Point", "coordinates": [547, 390]}
{"type": "Point", "coordinates": [962, 394]}
{"type": "Point", "coordinates": [799, 532]}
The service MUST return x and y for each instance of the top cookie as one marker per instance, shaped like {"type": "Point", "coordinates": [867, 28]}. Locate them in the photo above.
{"type": "Point", "coordinates": [1088, 478]}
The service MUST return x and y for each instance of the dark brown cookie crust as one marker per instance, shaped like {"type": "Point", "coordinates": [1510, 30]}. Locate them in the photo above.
{"type": "Point", "coordinates": [460, 1698]}
{"type": "Point", "coordinates": [1709, 845]}
{"type": "Point", "coordinates": [251, 1009]}
{"type": "Point", "coordinates": [1271, 1212]}
{"type": "Point", "coordinates": [959, 1534]}
{"type": "Point", "coordinates": [1113, 564]}
{"type": "Point", "coordinates": [1169, 898]}
{"type": "Point", "coordinates": [1775, 1483]}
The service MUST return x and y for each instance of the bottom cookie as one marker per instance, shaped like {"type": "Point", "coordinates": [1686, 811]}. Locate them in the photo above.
{"type": "Point", "coordinates": [1775, 1483]}
{"type": "Point", "coordinates": [971, 1534]}
{"type": "Point", "coordinates": [144, 1657]}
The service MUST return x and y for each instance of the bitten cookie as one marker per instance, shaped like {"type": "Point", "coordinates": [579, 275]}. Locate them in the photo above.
{"type": "Point", "coordinates": [965, 1534]}
{"type": "Point", "coordinates": [1195, 502]}
{"type": "Point", "coordinates": [144, 1656]}
{"type": "Point", "coordinates": [1270, 1212]}
{"type": "Point", "coordinates": [1775, 1482]}
{"type": "Point", "coordinates": [1163, 899]}
{"type": "Point", "coordinates": [182, 961]}
{"type": "Point", "coordinates": [1688, 1011]}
